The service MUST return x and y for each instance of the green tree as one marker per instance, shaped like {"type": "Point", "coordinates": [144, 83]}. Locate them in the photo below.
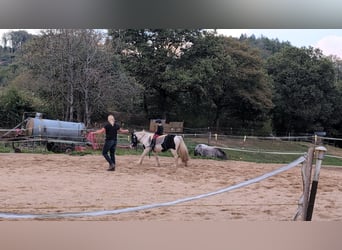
{"type": "Point", "coordinates": [13, 104]}
{"type": "Point", "coordinates": [15, 39]}
{"type": "Point", "coordinates": [150, 56]}
{"type": "Point", "coordinates": [305, 93]}
{"type": "Point", "coordinates": [77, 72]}
{"type": "Point", "coordinates": [196, 76]}
{"type": "Point", "coordinates": [267, 46]}
{"type": "Point", "coordinates": [335, 128]}
{"type": "Point", "coordinates": [13, 42]}
{"type": "Point", "coordinates": [228, 82]}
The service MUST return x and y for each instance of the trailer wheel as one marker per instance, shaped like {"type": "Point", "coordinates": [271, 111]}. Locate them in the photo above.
{"type": "Point", "coordinates": [16, 149]}
{"type": "Point", "coordinates": [49, 146]}
{"type": "Point", "coordinates": [68, 150]}
{"type": "Point", "coordinates": [55, 149]}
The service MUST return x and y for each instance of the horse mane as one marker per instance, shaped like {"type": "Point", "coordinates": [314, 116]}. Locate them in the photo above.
{"type": "Point", "coordinates": [144, 131]}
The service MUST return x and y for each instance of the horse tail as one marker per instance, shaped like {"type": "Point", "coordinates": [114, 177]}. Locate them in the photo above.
{"type": "Point", "coordinates": [183, 151]}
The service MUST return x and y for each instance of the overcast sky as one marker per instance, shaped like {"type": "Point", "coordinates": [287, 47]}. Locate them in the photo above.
{"type": "Point", "coordinates": [328, 40]}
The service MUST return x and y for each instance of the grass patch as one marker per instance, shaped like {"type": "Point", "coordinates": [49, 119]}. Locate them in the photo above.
{"type": "Point", "coordinates": [4, 149]}
{"type": "Point", "coordinates": [259, 145]}
{"type": "Point", "coordinates": [332, 161]}
{"type": "Point", "coordinates": [259, 157]}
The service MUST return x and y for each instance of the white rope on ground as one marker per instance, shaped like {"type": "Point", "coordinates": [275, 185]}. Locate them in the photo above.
{"type": "Point", "coordinates": [144, 207]}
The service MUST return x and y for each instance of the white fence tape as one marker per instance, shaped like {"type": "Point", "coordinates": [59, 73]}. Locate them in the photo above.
{"type": "Point", "coordinates": [333, 156]}
{"type": "Point", "coordinates": [261, 151]}
{"type": "Point", "coordinates": [144, 207]}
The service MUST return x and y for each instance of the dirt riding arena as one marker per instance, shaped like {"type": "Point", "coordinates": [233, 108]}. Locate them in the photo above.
{"type": "Point", "coordinates": [60, 183]}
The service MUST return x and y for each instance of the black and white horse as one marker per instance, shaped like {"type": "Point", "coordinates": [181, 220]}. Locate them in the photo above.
{"type": "Point", "coordinates": [208, 151]}
{"type": "Point", "coordinates": [174, 143]}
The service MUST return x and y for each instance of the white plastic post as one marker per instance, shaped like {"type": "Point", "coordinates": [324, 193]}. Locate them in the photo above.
{"type": "Point", "coordinates": [320, 151]}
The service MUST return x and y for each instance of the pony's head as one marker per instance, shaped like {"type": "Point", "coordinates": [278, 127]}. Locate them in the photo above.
{"type": "Point", "coordinates": [138, 136]}
{"type": "Point", "coordinates": [134, 140]}
{"type": "Point", "coordinates": [199, 149]}
{"type": "Point", "coordinates": [141, 136]}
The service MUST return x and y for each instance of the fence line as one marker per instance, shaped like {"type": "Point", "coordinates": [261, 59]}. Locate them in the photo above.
{"type": "Point", "coordinates": [334, 156]}
{"type": "Point", "coordinates": [214, 136]}
{"type": "Point", "coordinates": [157, 205]}
{"type": "Point", "coordinates": [261, 151]}
{"type": "Point", "coordinates": [205, 135]}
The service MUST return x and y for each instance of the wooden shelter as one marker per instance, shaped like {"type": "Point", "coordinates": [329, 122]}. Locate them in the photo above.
{"type": "Point", "coordinates": [171, 127]}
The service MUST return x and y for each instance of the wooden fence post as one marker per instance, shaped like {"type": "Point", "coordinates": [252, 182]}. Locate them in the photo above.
{"type": "Point", "coordinates": [209, 136]}
{"type": "Point", "coordinates": [306, 177]}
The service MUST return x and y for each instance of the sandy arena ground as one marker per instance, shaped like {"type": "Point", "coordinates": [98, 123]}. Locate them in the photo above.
{"type": "Point", "coordinates": [60, 183]}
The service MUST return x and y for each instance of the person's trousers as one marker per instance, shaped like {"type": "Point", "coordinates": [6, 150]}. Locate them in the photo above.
{"type": "Point", "coordinates": [109, 146]}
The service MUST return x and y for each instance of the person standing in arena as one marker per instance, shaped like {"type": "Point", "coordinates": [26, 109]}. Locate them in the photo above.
{"type": "Point", "coordinates": [111, 130]}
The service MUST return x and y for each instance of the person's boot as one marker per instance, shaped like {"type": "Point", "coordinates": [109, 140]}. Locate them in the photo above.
{"type": "Point", "coordinates": [111, 167]}
{"type": "Point", "coordinates": [153, 144]}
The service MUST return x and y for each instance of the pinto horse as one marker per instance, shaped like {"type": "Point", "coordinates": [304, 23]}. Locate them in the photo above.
{"type": "Point", "coordinates": [174, 143]}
